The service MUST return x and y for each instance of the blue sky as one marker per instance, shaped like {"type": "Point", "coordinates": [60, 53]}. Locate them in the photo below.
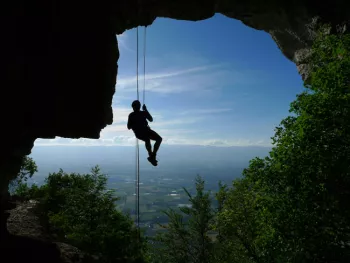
{"type": "Point", "coordinates": [212, 82]}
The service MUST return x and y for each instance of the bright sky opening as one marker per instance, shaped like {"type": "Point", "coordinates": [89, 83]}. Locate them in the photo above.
{"type": "Point", "coordinates": [213, 82]}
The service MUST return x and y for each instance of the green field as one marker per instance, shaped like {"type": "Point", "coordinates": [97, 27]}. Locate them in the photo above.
{"type": "Point", "coordinates": [155, 197]}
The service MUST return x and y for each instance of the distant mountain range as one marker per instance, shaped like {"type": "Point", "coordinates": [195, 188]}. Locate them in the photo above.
{"type": "Point", "coordinates": [121, 159]}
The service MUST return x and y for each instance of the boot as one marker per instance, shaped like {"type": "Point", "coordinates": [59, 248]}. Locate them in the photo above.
{"type": "Point", "coordinates": [152, 159]}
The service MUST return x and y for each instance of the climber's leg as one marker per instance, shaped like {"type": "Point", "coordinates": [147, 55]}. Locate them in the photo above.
{"type": "Point", "coordinates": [148, 147]}
{"type": "Point", "coordinates": [155, 137]}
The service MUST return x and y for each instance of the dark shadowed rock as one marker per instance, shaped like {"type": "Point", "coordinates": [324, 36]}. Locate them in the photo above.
{"type": "Point", "coordinates": [23, 221]}
{"type": "Point", "coordinates": [59, 58]}
{"type": "Point", "coordinates": [28, 242]}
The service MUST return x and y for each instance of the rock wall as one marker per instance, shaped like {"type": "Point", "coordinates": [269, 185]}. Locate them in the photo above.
{"type": "Point", "coordinates": [59, 58]}
{"type": "Point", "coordinates": [28, 240]}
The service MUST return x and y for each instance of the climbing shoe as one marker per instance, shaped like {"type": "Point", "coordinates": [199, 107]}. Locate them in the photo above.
{"type": "Point", "coordinates": [153, 161]}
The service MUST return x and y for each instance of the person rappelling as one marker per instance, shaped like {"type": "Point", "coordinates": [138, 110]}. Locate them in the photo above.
{"type": "Point", "coordinates": [137, 121]}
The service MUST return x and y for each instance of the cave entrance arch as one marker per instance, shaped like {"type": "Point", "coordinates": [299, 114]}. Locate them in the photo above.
{"type": "Point", "coordinates": [49, 79]}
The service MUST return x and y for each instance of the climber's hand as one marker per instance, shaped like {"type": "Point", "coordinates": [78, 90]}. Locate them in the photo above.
{"type": "Point", "coordinates": [144, 107]}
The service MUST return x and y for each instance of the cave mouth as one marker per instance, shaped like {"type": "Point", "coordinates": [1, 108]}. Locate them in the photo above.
{"type": "Point", "coordinates": [178, 70]}
{"type": "Point", "coordinates": [54, 89]}
{"type": "Point", "coordinates": [185, 58]}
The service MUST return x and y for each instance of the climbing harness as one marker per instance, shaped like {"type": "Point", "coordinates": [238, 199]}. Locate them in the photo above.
{"type": "Point", "coordinates": [137, 172]}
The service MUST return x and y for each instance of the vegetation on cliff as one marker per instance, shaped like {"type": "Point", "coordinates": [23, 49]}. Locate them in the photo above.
{"type": "Point", "coordinates": [292, 206]}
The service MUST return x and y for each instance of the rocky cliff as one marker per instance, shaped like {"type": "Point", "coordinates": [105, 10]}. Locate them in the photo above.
{"type": "Point", "coordinates": [28, 240]}
{"type": "Point", "coordinates": [59, 59]}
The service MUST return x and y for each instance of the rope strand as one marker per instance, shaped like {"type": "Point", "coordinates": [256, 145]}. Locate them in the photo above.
{"type": "Point", "coordinates": [137, 61]}
{"type": "Point", "coordinates": [137, 180]}
{"type": "Point", "coordinates": [144, 65]}
{"type": "Point", "coordinates": [137, 203]}
{"type": "Point", "coordinates": [138, 185]}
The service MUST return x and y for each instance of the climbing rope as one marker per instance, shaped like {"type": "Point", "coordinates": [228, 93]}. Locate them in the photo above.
{"type": "Point", "coordinates": [137, 202]}
{"type": "Point", "coordinates": [137, 172]}
{"type": "Point", "coordinates": [144, 66]}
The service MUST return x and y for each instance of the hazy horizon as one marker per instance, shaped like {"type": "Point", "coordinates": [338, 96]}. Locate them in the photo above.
{"type": "Point", "coordinates": [161, 187]}
{"type": "Point", "coordinates": [214, 82]}
{"type": "Point", "coordinates": [120, 160]}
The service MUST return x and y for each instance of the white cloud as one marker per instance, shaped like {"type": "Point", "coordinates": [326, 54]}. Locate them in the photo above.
{"type": "Point", "coordinates": [239, 142]}
{"type": "Point", "coordinates": [175, 81]}
{"type": "Point", "coordinates": [163, 125]}
{"type": "Point", "coordinates": [123, 44]}
{"type": "Point", "coordinates": [177, 121]}
{"type": "Point", "coordinates": [216, 142]}
{"type": "Point", "coordinates": [120, 114]}
{"type": "Point", "coordinates": [155, 76]}
{"type": "Point", "coordinates": [178, 128]}
{"type": "Point", "coordinates": [118, 98]}
{"type": "Point", "coordinates": [124, 140]}
{"type": "Point", "coordinates": [196, 80]}
{"type": "Point", "coordinates": [205, 111]}
{"type": "Point", "coordinates": [174, 130]}
{"type": "Point", "coordinates": [129, 140]}
{"type": "Point", "coordinates": [120, 140]}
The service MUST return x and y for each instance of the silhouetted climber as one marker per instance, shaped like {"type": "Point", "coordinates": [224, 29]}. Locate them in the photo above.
{"type": "Point", "coordinates": [138, 123]}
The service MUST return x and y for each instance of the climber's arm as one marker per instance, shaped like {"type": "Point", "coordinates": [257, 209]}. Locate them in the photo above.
{"type": "Point", "coordinates": [129, 123]}
{"type": "Point", "coordinates": [148, 115]}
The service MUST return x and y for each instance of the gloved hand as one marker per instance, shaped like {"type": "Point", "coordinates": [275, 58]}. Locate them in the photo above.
{"type": "Point", "coordinates": [144, 107]}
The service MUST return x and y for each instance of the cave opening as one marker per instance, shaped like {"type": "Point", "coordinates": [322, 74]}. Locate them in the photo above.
{"type": "Point", "coordinates": [214, 84]}
{"type": "Point", "coordinates": [60, 68]}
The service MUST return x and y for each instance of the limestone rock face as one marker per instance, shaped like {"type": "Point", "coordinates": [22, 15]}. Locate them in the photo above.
{"type": "Point", "coordinates": [23, 221]}
{"type": "Point", "coordinates": [59, 58]}
{"type": "Point", "coordinates": [28, 242]}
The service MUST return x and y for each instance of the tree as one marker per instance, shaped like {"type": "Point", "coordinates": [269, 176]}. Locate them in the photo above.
{"type": "Point", "coordinates": [188, 241]}
{"type": "Point", "coordinates": [292, 206]}
{"type": "Point", "coordinates": [19, 184]}
{"type": "Point", "coordinates": [308, 172]}
{"type": "Point", "coordinates": [239, 225]}
{"type": "Point", "coordinates": [81, 211]}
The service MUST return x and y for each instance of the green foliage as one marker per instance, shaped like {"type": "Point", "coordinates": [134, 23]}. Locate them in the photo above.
{"type": "Point", "coordinates": [293, 205]}
{"type": "Point", "coordinates": [188, 241]}
{"type": "Point", "coordinates": [309, 168]}
{"type": "Point", "coordinates": [240, 228]}
{"type": "Point", "coordinates": [18, 185]}
{"type": "Point", "coordinates": [81, 211]}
